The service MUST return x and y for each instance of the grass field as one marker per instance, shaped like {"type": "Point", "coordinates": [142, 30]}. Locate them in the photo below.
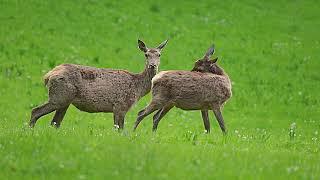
{"type": "Point", "coordinates": [270, 50]}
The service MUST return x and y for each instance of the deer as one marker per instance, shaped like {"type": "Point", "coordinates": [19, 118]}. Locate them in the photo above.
{"type": "Point", "coordinates": [95, 90]}
{"type": "Point", "coordinates": [205, 87]}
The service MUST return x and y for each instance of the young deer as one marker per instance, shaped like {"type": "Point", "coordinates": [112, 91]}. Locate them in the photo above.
{"type": "Point", "coordinates": [206, 87]}
{"type": "Point", "coordinates": [95, 90]}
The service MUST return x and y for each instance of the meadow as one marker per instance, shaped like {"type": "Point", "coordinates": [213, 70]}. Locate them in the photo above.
{"type": "Point", "coordinates": [269, 49]}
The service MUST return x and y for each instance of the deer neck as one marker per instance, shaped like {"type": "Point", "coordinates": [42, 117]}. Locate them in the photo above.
{"type": "Point", "coordinates": [144, 81]}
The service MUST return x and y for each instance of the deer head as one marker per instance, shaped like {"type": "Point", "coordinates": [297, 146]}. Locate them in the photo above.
{"type": "Point", "coordinates": [207, 65]}
{"type": "Point", "coordinates": [152, 54]}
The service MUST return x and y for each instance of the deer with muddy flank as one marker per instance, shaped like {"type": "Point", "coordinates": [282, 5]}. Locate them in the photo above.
{"type": "Point", "coordinates": [96, 90]}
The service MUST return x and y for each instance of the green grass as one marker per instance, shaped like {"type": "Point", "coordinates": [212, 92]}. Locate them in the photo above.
{"type": "Point", "coordinates": [269, 49]}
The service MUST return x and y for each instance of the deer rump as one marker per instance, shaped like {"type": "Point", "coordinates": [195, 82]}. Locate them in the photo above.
{"type": "Point", "coordinates": [191, 90]}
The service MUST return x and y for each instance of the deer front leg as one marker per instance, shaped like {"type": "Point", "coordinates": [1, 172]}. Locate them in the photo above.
{"type": "Point", "coordinates": [206, 121]}
{"type": "Point", "coordinates": [119, 119]}
{"type": "Point", "coordinates": [220, 120]}
{"type": "Point", "coordinates": [115, 122]}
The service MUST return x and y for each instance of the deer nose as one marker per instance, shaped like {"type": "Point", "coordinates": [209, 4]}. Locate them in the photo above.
{"type": "Point", "coordinates": [152, 66]}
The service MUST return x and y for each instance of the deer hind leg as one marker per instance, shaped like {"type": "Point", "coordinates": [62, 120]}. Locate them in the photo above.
{"type": "Point", "coordinates": [206, 122]}
{"type": "Point", "coordinates": [159, 115]}
{"type": "Point", "coordinates": [58, 116]}
{"type": "Point", "coordinates": [61, 94]}
{"type": "Point", "coordinates": [218, 115]}
{"type": "Point", "coordinates": [39, 111]}
{"type": "Point", "coordinates": [153, 106]}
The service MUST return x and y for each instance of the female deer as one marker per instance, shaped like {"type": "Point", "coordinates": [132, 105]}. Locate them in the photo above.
{"type": "Point", "coordinates": [95, 90]}
{"type": "Point", "coordinates": [209, 88]}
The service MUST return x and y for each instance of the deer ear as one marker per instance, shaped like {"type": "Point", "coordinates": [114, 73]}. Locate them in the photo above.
{"type": "Point", "coordinates": [142, 46]}
{"type": "Point", "coordinates": [214, 60]}
{"type": "Point", "coordinates": [209, 53]}
{"type": "Point", "coordinates": [162, 45]}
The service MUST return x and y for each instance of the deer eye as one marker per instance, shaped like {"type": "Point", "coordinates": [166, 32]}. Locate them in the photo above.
{"type": "Point", "coordinates": [159, 55]}
{"type": "Point", "coordinates": [146, 55]}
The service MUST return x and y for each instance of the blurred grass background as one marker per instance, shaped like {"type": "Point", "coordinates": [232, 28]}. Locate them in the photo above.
{"type": "Point", "coordinates": [269, 49]}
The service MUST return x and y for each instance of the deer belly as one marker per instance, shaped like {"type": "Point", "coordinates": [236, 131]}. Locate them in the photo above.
{"type": "Point", "coordinates": [93, 105]}
{"type": "Point", "coordinates": [191, 105]}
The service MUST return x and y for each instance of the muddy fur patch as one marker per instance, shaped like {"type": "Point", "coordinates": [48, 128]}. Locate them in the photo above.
{"type": "Point", "coordinates": [88, 74]}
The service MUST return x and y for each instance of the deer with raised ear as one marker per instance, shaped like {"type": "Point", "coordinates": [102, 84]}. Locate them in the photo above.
{"type": "Point", "coordinates": [205, 87]}
{"type": "Point", "coordinates": [95, 90]}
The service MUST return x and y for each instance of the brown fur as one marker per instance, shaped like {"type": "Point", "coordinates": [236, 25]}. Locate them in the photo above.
{"type": "Point", "coordinates": [192, 90]}
{"type": "Point", "coordinates": [211, 66]}
{"type": "Point", "coordinates": [208, 89]}
{"type": "Point", "coordinates": [95, 90]}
